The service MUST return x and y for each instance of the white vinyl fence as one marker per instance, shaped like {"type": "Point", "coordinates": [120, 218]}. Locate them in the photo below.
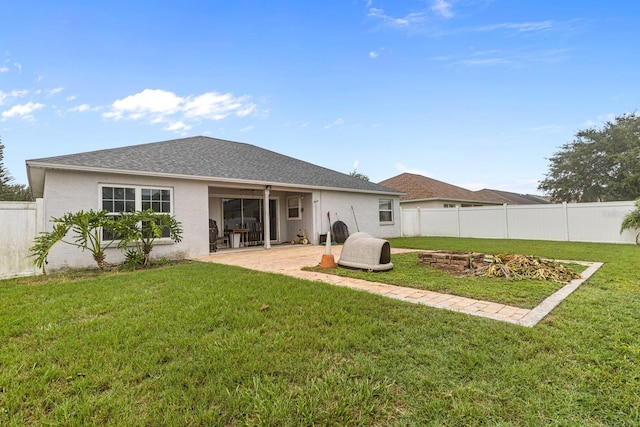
{"type": "Point", "coordinates": [20, 223]}
{"type": "Point", "coordinates": [574, 222]}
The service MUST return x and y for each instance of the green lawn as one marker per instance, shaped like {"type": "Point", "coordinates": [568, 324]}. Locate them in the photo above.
{"type": "Point", "coordinates": [407, 272]}
{"type": "Point", "coordinates": [206, 344]}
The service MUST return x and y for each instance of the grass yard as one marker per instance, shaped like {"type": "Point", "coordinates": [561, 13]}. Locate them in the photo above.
{"type": "Point", "coordinates": [207, 344]}
{"type": "Point", "coordinates": [407, 272]}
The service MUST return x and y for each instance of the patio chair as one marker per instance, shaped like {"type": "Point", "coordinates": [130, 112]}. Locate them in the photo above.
{"type": "Point", "coordinates": [214, 238]}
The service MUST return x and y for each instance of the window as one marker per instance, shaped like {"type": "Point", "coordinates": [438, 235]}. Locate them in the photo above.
{"type": "Point", "coordinates": [385, 210]}
{"type": "Point", "coordinates": [116, 200]}
{"type": "Point", "coordinates": [294, 211]}
{"type": "Point", "coordinates": [449, 205]}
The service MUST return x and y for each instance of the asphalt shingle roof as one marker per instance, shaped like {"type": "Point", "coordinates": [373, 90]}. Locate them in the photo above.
{"type": "Point", "coordinates": [418, 187]}
{"type": "Point", "coordinates": [206, 157]}
{"type": "Point", "coordinates": [511, 198]}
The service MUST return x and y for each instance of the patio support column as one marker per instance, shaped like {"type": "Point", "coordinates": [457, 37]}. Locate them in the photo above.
{"type": "Point", "coordinates": [266, 229]}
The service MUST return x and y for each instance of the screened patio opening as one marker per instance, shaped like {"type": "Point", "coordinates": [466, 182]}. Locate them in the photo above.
{"type": "Point", "coordinates": [248, 215]}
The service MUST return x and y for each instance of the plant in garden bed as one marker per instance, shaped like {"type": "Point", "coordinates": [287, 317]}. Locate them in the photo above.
{"type": "Point", "coordinates": [143, 228]}
{"type": "Point", "coordinates": [89, 228]}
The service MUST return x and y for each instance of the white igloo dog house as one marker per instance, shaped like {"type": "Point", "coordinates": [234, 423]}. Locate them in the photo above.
{"type": "Point", "coordinates": [365, 252]}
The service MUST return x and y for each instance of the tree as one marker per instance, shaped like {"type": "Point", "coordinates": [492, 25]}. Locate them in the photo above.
{"type": "Point", "coordinates": [8, 190]}
{"type": "Point", "coordinates": [599, 165]}
{"type": "Point", "coordinates": [19, 193]}
{"type": "Point", "coordinates": [5, 177]}
{"type": "Point", "coordinates": [359, 175]}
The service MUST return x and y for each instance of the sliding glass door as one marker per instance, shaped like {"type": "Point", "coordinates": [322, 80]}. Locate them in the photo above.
{"type": "Point", "coordinates": [248, 214]}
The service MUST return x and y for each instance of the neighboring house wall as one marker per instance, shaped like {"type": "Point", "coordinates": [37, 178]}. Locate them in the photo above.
{"type": "Point", "coordinates": [434, 204]}
{"type": "Point", "coordinates": [72, 191]}
{"type": "Point", "coordinates": [20, 223]}
{"type": "Point", "coordinates": [576, 222]}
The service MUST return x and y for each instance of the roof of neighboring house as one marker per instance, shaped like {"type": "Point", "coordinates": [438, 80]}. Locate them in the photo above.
{"type": "Point", "coordinates": [511, 198]}
{"type": "Point", "coordinates": [418, 187]}
{"type": "Point", "coordinates": [205, 158]}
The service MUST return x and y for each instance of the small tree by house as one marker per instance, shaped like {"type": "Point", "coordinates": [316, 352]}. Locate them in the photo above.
{"type": "Point", "coordinates": [86, 229]}
{"type": "Point", "coordinates": [144, 227]}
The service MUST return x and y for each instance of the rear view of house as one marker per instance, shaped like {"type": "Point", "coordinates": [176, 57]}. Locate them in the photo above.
{"type": "Point", "coordinates": [251, 194]}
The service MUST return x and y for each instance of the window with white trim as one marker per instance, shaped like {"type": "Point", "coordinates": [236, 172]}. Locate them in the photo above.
{"type": "Point", "coordinates": [119, 199]}
{"type": "Point", "coordinates": [385, 210]}
{"type": "Point", "coordinates": [294, 207]}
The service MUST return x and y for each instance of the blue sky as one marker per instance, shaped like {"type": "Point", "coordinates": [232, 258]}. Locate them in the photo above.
{"type": "Point", "coordinates": [477, 93]}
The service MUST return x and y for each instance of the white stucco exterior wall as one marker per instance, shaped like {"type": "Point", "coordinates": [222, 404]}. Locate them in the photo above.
{"type": "Point", "coordinates": [72, 191]}
{"type": "Point", "coordinates": [365, 208]}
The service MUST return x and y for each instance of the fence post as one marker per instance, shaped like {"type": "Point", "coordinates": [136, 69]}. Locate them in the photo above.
{"type": "Point", "coordinates": [40, 218]}
{"type": "Point", "coordinates": [506, 221]}
{"type": "Point", "coordinates": [457, 221]}
{"type": "Point", "coordinates": [419, 222]}
{"type": "Point", "coordinates": [565, 213]}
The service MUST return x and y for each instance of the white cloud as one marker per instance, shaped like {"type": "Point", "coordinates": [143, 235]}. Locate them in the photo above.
{"type": "Point", "coordinates": [13, 94]}
{"type": "Point", "coordinates": [23, 111]}
{"type": "Point", "coordinates": [84, 107]}
{"type": "Point", "coordinates": [18, 66]}
{"type": "Point", "coordinates": [177, 127]}
{"type": "Point", "coordinates": [55, 90]}
{"type": "Point", "coordinates": [404, 22]}
{"type": "Point", "coordinates": [247, 128]}
{"type": "Point", "coordinates": [210, 105]}
{"type": "Point", "coordinates": [546, 128]}
{"type": "Point", "coordinates": [356, 164]}
{"type": "Point", "coordinates": [519, 27]}
{"type": "Point", "coordinates": [373, 54]}
{"type": "Point", "coordinates": [4, 69]}
{"type": "Point", "coordinates": [336, 122]}
{"type": "Point", "coordinates": [71, 98]}
{"type": "Point", "coordinates": [442, 8]}
{"type": "Point", "coordinates": [147, 103]}
{"type": "Point", "coordinates": [160, 106]}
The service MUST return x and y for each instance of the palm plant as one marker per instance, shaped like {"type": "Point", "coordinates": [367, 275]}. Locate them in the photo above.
{"type": "Point", "coordinates": [632, 221]}
{"type": "Point", "coordinates": [143, 228]}
{"type": "Point", "coordinates": [87, 228]}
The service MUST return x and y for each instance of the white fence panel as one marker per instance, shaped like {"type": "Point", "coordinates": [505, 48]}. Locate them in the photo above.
{"type": "Point", "coordinates": [484, 222]}
{"type": "Point", "coordinates": [410, 228]}
{"type": "Point", "coordinates": [591, 222]}
{"type": "Point", "coordinates": [429, 222]}
{"type": "Point", "coordinates": [577, 222]}
{"type": "Point", "coordinates": [537, 222]}
{"type": "Point", "coordinates": [20, 223]}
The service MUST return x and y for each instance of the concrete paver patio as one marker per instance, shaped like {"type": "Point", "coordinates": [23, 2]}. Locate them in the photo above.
{"type": "Point", "coordinates": [290, 259]}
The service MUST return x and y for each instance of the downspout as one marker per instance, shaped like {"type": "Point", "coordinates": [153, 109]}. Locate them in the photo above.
{"type": "Point", "coordinates": [267, 220]}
